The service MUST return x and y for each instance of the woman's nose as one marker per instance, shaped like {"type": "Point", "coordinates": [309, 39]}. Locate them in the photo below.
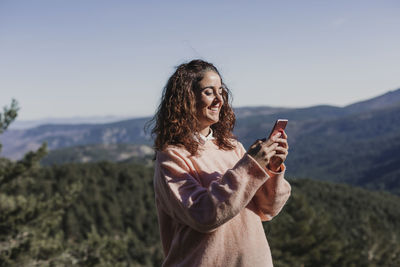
{"type": "Point", "coordinates": [218, 97]}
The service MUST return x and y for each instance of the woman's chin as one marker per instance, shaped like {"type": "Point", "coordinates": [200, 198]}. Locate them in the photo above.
{"type": "Point", "coordinates": [213, 121]}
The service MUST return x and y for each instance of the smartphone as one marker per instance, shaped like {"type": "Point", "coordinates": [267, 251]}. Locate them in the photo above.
{"type": "Point", "coordinates": [279, 126]}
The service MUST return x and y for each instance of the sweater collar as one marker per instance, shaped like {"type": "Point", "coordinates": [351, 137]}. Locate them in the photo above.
{"type": "Point", "coordinates": [204, 139]}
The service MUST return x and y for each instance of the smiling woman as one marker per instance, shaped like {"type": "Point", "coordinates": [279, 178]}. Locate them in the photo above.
{"type": "Point", "coordinates": [211, 195]}
{"type": "Point", "coordinates": [195, 101]}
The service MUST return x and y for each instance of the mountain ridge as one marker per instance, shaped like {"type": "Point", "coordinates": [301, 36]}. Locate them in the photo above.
{"type": "Point", "coordinates": [18, 142]}
{"type": "Point", "coordinates": [386, 100]}
{"type": "Point", "coordinates": [358, 144]}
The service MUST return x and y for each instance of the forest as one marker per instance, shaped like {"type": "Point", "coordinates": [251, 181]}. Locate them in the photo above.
{"type": "Point", "coordinates": [103, 214]}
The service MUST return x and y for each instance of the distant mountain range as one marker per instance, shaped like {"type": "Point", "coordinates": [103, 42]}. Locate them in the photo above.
{"type": "Point", "coordinates": [18, 142]}
{"type": "Point", "coordinates": [26, 124]}
{"type": "Point", "coordinates": [100, 152]}
{"type": "Point", "coordinates": [358, 144]}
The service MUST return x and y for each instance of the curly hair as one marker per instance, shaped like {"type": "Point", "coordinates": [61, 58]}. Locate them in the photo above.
{"type": "Point", "coordinates": [175, 120]}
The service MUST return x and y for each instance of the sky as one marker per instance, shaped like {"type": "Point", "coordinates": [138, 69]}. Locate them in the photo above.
{"type": "Point", "coordinates": [69, 58]}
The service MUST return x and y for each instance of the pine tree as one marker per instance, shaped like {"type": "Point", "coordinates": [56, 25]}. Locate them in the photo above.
{"type": "Point", "coordinates": [302, 236]}
{"type": "Point", "coordinates": [29, 220]}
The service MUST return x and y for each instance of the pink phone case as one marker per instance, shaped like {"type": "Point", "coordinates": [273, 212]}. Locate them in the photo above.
{"type": "Point", "coordinates": [280, 125]}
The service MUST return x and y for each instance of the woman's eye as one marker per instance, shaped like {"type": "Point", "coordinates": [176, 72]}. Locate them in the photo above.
{"type": "Point", "coordinates": [210, 92]}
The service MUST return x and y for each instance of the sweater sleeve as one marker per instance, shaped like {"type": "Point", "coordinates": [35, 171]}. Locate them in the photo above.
{"type": "Point", "coordinates": [273, 194]}
{"type": "Point", "coordinates": [183, 198]}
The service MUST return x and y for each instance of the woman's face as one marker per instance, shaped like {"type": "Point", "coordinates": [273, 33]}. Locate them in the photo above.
{"type": "Point", "coordinates": [209, 99]}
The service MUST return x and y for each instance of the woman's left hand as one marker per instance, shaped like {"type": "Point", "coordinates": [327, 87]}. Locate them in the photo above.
{"type": "Point", "coordinates": [281, 153]}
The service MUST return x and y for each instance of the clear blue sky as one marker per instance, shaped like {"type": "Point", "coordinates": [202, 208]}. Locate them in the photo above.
{"type": "Point", "coordinates": [70, 58]}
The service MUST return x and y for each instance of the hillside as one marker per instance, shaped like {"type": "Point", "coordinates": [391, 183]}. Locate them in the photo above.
{"type": "Point", "coordinates": [252, 123]}
{"type": "Point", "coordinates": [336, 225]}
{"type": "Point", "coordinates": [100, 152]}
{"type": "Point", "coordinates": [351, 144]}
{"type": "Point", "coordinates": [18, 142]}
{"type": "Point", "coordinates": [356, 148]}
{"type": "Point", "coordinates": [362, 149]}
{"type": "Point", "coordinates": [358, 144]}
{"type": "Point", "coordinates": [103, 214]}
{"type": "Point", "coordinates": [391, 98]}
{"type": "Point", "coordinates": [26, 124]}
{"type": "Point", "coordinates": [303, 120]}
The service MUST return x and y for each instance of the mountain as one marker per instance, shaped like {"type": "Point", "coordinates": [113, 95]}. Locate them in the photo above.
{"type": "Point", "coordinates": [57, 136]}
{"type": "Point", "coordinates": [26, 124]}
{"type": "Point", "coordinates": [244, 112]}
{"type": "Point", "coordinates": [357, 144]}
{"type": "Point", "coordinates": [391, 98]}
{"type": "Point", "coordinates": [100, 152]}
{"type": "Point", "coordinates": [17, 142]}
{"type": "Point", "coordinates": [353, 144]}
{"type": "Point", "coordinates": [361, 149]}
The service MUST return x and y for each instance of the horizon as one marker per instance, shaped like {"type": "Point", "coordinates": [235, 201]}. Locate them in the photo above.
{"type": "Point", "coordinates": [95, 58]}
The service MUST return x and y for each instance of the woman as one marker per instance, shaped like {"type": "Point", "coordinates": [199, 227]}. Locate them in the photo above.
{"type": "Point", "coordinates": [211, 195]}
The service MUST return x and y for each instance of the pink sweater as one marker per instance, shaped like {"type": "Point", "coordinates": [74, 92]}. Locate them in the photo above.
{"type": "Point", "coordinates": [210, 206]}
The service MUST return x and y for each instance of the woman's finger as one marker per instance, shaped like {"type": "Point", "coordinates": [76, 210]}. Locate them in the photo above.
{"type": "Point", "coordinates": [273, 139]}
{"type": "Point", "coordinates": [270, 147]}
{"type": "Point", "coordinates": [281, 150]}
{"type": "Point", "coordinates": [284, 135]}
{"type": "Point", "coordinates": [253, 147]}
{"type": "Point", "coordinates": [283, 142]}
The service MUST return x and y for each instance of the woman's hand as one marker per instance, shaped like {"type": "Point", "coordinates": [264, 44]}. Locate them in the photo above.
{"type": "Point", "coordinates": [270, 153]}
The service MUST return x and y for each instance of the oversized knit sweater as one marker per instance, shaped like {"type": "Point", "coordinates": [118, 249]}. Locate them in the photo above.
{"type": "Point", "coordinates": [210, 206]}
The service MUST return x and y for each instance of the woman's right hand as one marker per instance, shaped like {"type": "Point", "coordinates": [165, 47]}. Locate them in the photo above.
{"type": "Point", "coordinates": [264, 150]}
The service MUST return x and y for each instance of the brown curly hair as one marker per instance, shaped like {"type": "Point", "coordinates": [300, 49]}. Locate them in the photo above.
{"type": "Point", "coordinates": [175, 120]}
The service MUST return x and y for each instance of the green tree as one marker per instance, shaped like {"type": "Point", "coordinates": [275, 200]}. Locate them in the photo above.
{"type": "Point", "coordinates": [300, 236]}
{"type": "Point", "coordinates": [8, 116]}
{"type": "Point", "coordinates": [29, 220]}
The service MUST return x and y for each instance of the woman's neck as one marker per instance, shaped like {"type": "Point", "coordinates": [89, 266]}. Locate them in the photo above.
{"type": "Point", "coordinates": [205, 131]}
